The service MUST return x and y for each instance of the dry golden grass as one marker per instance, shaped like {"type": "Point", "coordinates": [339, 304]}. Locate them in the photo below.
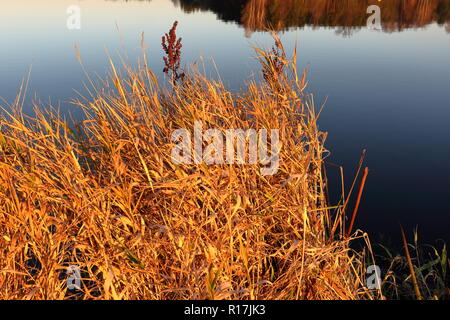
{"type": "Point", "coordinates": [104, 195]}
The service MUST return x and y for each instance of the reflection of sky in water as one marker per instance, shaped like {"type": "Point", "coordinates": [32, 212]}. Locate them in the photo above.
{"type": "Point", "coordinates": [386, 92]}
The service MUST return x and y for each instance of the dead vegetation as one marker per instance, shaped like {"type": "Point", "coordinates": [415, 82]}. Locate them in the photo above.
{"type": "Point", "coordinates": [105, 196]}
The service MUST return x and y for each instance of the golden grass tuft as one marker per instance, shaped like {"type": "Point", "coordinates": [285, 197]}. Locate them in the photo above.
{"type": "Point", "coordinates": [104, 195]}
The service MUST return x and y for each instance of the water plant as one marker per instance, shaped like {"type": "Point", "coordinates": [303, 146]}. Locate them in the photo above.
{"type": "Point", "coordinates": [172, 48]}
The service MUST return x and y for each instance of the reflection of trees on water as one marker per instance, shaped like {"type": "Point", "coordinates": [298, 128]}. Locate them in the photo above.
{"type": "Point", "coordinates": [226, 10]}
{"type": "Point", "coordinates": [345, 15]}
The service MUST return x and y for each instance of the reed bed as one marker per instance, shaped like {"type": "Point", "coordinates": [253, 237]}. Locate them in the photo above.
{"type": "Point", "coordinates": [103, 194]}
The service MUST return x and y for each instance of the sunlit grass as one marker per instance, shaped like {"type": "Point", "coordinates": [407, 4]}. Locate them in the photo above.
{"type": "Point", "coordinates": [104, 195]}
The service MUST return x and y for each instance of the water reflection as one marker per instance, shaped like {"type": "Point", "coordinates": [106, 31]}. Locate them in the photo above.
{"type": "Point", "coordinates": [346, 15]}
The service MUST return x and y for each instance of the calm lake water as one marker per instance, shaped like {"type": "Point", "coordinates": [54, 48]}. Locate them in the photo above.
{"type": "Point", "coordinates": [386, 91]}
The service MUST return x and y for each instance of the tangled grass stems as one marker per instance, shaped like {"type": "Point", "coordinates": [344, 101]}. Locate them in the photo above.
{"type": "Point", "coordinates": [105, 196]}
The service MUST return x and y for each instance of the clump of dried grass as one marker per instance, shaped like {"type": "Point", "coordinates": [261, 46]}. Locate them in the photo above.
{"type": "Point", "coordinates": [104, 195]}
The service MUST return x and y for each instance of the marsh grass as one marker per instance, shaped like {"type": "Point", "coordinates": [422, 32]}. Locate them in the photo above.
{"type": "Point", "coordinates": [420, 272]}
{"type": "Point", "coordinates": [104, 195]}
